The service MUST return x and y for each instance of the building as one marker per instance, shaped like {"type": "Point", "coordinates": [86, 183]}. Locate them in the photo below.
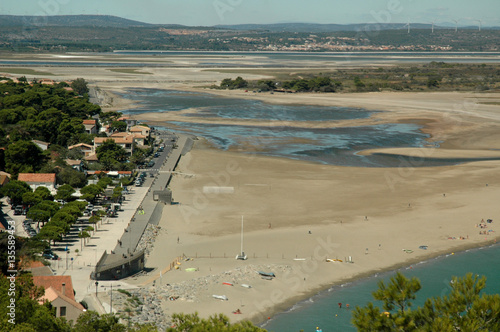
{"type": "Point", "coordinates": [138, 137]}
{"type": "Point", "coordinates": [42, 145]}
{"type": "Point", "coordinates": [130, 122]}
{"type": "Point", "coordinates": [90, 126]}
{"type": "Point", "coordinates": [59, 292]}
{"type": "Point", "coordinates": [35, 180]}
{"type": "Point", "coordinates": [143, 130]}
{"type": "Point", "coordinates": [4, 178]}
{"type": "Point", "coordinates": [126, 142]}
{"type": "Point", "coordinates": [86, 149]}
{"type": "Point", "coordinates": [75, 164]}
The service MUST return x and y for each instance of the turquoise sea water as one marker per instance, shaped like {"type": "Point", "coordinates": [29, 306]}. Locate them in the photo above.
{"type": "Point", "coordinates": [323, 311]}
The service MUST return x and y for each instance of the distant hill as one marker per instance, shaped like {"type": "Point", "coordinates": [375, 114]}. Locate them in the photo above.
{"type": "Point", "coordinates": [70, 21]}
{"type": "Point", "coordinates": [312, 27]}
{"type": "Point", "coordinates": [317, 28]}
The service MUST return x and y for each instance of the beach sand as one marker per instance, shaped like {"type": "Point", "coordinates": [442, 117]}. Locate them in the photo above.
{"type": "Point", "coordinates": [369, 214]}
{"type": "Point", "coordinates": [315, 211]}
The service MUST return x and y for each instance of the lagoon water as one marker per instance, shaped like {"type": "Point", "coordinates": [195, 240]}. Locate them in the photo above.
{"type": "Point", "coordinates": [334, 146]}
{"type": "Point", "coordinates": [337, 146]}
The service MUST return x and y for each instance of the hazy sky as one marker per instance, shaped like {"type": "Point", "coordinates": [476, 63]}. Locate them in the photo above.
{"type": "Point", "coordinates": [213, 12]}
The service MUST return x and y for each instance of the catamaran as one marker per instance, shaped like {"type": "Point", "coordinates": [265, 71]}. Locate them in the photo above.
{"type": "Point", "coordinates": [241, 256]}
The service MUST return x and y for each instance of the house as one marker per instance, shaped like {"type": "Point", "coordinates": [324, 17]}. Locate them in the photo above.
{"type": "Point", "coordinates": [4, 178]}
{"type": "Point", "coordinates": [139, 139]}
{"type": "Point", "coordinates": [35, 180]}
{"type": "Point", "coordinates": [143, 130]}
{"type": "Point", "coordinates": [42, 145]}
{"type": "Point", "coordinates": [92, 158]}
{"type": "Point", "coordinates": [85, 148]}
{"type": "Point", "coordinates": [59, 292]}
{"type": "Point", "coordinates": [37, 269]}
{"type": "Point", "coordinates": [119, 174]}
{"type": "Point", "coordinates": [75, 164]}
{"type": "Point", "coordinates": [126, 142]}
{"type": "Point", "coordinates": [90, 126]}
{"type": "Point", "coordinates": [130, 122]}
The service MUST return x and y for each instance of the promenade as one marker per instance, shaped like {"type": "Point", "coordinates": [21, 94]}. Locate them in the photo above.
{"type": "Point", "coordinates": [110, 230]}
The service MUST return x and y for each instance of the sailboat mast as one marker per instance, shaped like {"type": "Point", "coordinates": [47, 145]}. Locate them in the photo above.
{"type": "Point", "coordinates": [242, 235]}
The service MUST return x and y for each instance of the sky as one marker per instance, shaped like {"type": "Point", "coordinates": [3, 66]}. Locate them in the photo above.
{"type": "Point", "coordinates": [215, 12]}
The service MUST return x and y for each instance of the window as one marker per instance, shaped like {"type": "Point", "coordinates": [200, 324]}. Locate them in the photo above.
{"type": "Point", "coordinates": [62, 312]}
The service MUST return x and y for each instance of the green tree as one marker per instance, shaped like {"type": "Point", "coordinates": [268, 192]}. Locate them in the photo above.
{"type": "Point", "coordinates": [90, 192]}
{"type": "Point", "coordinates": [51, 233]}
{"type": "Point", "coordinates": [111, 154]}
{"type": "Point", "coordinates": [44, 193]}
{"type": "Point", "coordinates": [215, 323]}
{"type": "Point", "coordinates": [64, 192]}
{"type": "Point", "coordinates": [463, 310]}
{"type": "Point", "coordinates": [90, 321]}
{"type": "Point", "coordinates": [83, 235]}
{"type": "Point", "coordinates": [80, 86]}
{"type": "Point", "coordinates": [23, 157]}
{"type": "Point", "coordinates": [109, 117]}
{"type": "Point", "coordinates": [72, 177]}
{"type": "Point", "coordinates": [119, 126]}
{"type": "Point", "coordinates": [30, 198]}
{"type": "Point", "coordinates": [15, 190]}
{"type": "Point", "coordinates": [38, 215]}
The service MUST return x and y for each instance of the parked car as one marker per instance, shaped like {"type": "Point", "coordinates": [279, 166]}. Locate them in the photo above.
{"type": "Point", "coordinates": [49, 255]}
{"type": "Point", "coordinates": [18, 210]}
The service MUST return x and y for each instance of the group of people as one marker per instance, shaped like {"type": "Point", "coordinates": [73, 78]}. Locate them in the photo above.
{"type": "Point", "coordinates": [484, 225]}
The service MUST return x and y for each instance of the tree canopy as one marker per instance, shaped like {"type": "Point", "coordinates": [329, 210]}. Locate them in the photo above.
{"type": "Point", "coordinates": [464, 309]}
{"type": "Point", "coordinates": [215, 323]}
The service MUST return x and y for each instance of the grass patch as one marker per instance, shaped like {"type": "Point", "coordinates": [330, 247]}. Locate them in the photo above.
{"type": "Point", "coordinates": [24, 71]}
{"type": "Point", "coordinates": [124, 292]}
{"type": "Point", "coordinates": [129, 71]}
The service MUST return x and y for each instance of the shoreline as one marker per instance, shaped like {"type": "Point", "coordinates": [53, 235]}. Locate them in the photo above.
{"type": "Point", "coordinates": [288, 306]}
{"type": "Point", "coordinates": [207, 240]}
{"type": "Point", "coordinates": [429, 123]}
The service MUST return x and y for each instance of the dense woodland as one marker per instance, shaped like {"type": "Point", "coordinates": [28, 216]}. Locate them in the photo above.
{"type": "Point", "coordinates": [18, 38]}
{"type": "Point", "coordinates": [433, 76]}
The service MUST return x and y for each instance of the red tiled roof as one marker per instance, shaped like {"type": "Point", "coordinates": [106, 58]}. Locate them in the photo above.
{"type": "Point", "coordinates": [51, 294]}
{"type": "Point", "coordinates": [56, 283]}
{"type": "Point", "coordinates": [79, 146]}
{"type": "Point", "coordinates": [120, 134]}
{"type": "Point", "coordinates": [92, 157]}
{"type": "Point", "coordinates": [89, 122]}
{"type": "Point", "coordinates": [37, 177]}
{"type": "Point", "coordinates": [139, 128]}
{"type": "Point", "coordinates": [128, 139]}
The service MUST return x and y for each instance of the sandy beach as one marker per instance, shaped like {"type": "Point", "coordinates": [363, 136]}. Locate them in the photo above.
{"type": "Point", "coordinates": [298, 214]}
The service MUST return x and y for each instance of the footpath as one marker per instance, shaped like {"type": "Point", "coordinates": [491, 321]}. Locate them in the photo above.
{"type": "Point", "coordinates": [127, 227]}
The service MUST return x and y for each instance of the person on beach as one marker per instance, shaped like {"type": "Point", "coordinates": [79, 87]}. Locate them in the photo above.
{"type": "Point", "coordinates": [177, 240]}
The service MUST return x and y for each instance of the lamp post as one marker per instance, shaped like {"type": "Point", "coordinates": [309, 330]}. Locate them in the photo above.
{"type": "Point", "coordinates": [96, 284]}
{"type": "Point", "coordinates": [111, 301]}
{"type": "Point", "coordinates": [67, 255]}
